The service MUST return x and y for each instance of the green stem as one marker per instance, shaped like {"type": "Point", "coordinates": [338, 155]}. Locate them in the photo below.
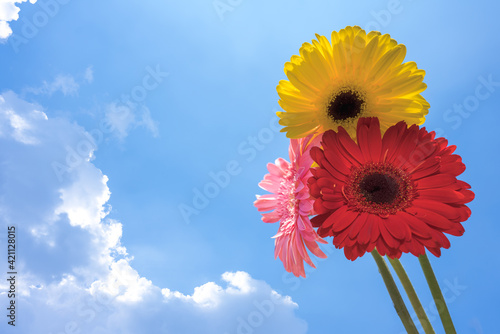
{"type": "Point", "coordinates": [444, 314]}
{"type": "Point", "coordinates": [398, 302]}
{"type": "Point", "coordinates": [412, 295]}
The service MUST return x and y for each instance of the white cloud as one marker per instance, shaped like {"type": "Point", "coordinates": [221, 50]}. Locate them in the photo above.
{"type": "Point", "coordinates": [76, 274]}
{"type": "Point", "coordinates": [124, 118]}
{"type": "Point", "coordinates": [18, 127]}
{"type": "Point", "coordinates": [122, 283]}
{"type": "Point", "coordinates": [5, 30]}
{"type": "Point", "coordinates": [9, 12]}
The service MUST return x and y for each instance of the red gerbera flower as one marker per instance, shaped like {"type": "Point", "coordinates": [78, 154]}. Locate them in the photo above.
{"type": "Point", "coordinates": [398, 193]}
{"type": "Point", "coordinates": [291, 205]}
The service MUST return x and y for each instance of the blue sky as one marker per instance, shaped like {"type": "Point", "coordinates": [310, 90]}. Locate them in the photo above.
{"type": "Point", "coordinates": [114, 115]}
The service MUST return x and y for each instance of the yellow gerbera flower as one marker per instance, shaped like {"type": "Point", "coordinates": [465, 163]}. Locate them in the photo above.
{"type": "Point", "coordinates": [357, 75]}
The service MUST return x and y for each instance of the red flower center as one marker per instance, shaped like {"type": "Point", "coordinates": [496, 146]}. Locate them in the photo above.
{"type": "Point", "coordinates": [379, 188]}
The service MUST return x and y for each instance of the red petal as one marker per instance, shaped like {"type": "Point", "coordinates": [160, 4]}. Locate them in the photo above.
{"type": "Point", "coordinates": [441, 240]}
{"type": "Point", "coordinates": [350, 150]}
{"type": "Point", "coordinates": [382, 247]}
{"type": "Point", "coordinates": [431, 218]}
{"type": "Point", "coordinates": [333, 217]}
{"type": "Point", "coordinates": [317, 154]}
{"type": "Point", "coordinates": [363, 141]}
{"type": "Point", "coordinates": [455, 168]}
{"type": "Point", "coordinates": [325, 182]}
{"type": "Point", "coordinates": [388, 238]}
{"type": "Point", "coordinates": [398, 228]}
{"type": "Point", "coordinates": [348, 252]}
{"type": "Point", "coordinates": [416, 247]}
{"type": "Point", "coordinates": [405, 151]}
{"type": "Point", "coordinates": [333, 197]}
{"type": "Point", "coordinates": [375, 139]}
{"type": "Point", "coordinates": [435, 251]}
{"type": "Point", "coordinates": [463, 211]}
{"type": "Point", "coordinates": [417, 226]}
{"type": "Point", "coordinates": [314, 189]}
{"type": "Point", "coordinates": [333, 205]}
{"type": "Point", "coordinates": [338, 171]}
{"type": "Point", "coordinates": [318, 220]}
{"type": "Point", "coordinates": [365, 234]}
{"type": "Point", "coordinates": [446, 210]}
{"type": "Point", "coordinates": [344, 221]}
{"type": "Point", "coordinates": [436, 181]}
{"type": "Point", "coordinates": [319, 207]}
{"type": "Point", "coordinates": [358, 225]}
{"type": "Point", "coordinates": [426, 168]}
{"type": "Point", "coordinates": [442, 195]}
{"type": "Point", "coordinates": [392, 137]}
{"type": "Point", "coordinates": [375, 233]}
{"type": "Point", "coordinates": [339, 240]}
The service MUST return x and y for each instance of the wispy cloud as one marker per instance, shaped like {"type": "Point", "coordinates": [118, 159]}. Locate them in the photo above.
{"type": "Point", "coordinates": [89, 74]}
{"type": "Point", "coordinates": [9, 12]}
{"type": "Point", "coordinates": [124, 118]}
{"type": "Point", "coordinates": [62, 82]}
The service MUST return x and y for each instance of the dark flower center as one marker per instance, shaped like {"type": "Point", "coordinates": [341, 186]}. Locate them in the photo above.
{"type": "Point", "coordinates": [345, 104]}
{"type": "Point", "coordinates": [379, 188]}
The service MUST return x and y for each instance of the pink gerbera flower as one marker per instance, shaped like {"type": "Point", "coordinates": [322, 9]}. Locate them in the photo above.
{"type": "Point", "coordinates": [291, 205]}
